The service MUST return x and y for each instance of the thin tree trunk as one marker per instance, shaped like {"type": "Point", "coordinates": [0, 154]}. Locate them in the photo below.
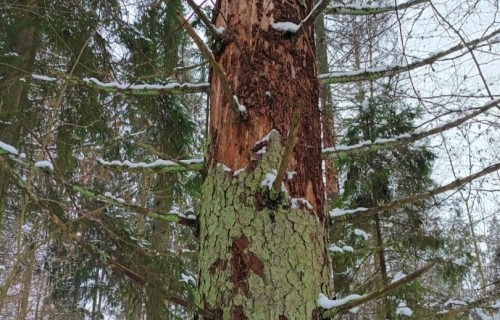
{"type": "Point", "coordinates": [27, 276]}
{"type": "Point", "coordinates": [262, 258]}
{"type": "Point", "coordinates": [327, 112]}
{"type": "Point", "coordinates": [13, 91]}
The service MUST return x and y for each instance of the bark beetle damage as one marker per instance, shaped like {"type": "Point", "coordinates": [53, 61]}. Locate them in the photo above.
{"type": "Point", "coordinates": [282, 317]}
{"type": "Point", "coordinates": [260, 62]}
{"type": "Point", "coordinates": [242, 264]}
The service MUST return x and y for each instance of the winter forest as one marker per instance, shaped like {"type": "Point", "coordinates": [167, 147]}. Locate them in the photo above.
{"type": "Point", "coordinates": [249, 159]}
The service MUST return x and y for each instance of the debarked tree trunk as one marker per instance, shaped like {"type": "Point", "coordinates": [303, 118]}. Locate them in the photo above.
{"type": "Point", "coordinates": [262, 258]}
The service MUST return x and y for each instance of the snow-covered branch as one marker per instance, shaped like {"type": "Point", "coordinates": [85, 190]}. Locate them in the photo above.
{"type": "Point", "coordinates": [158, 166]}
{"type": "Point", "coordinates": [363, 10]}
{"type": "Point", "coordinates": [338, 216]}
{"type": "Point", "coordinates": [385, 71]}
{"type": "Point", "coordinates": [383, 143]}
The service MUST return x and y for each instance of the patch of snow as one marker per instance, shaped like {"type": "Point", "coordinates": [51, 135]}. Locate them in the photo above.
{"type": "Point", "coordinates": [43, 78]}
{"type": "Point", "coordinates": [460, 261]}
{"type": "Point", "coordinates": [335, 248]}
{"type": "Point", "coordinates": [187, 278]}
{"type": "Point", "coordinates": [295, 203]}
{"type": "Point", "coordinates": [226, 168]}
{"type": "Point", "coordinates": [400, 275]}
{"type": "Point", "coordinates": [44, 164]}
{"type": "Point", "coordinates": [361, 233]}
{"type": "Point", "coordinates": [22, 80]}
{"type": "Point", "coordinates": [156, 163]}
{"type": "Point", "coordinates": [290, 174]}
{"type": "Point", "coordinates": [403, 310]}
{"type": "Point", "coordinates": [8, 148]}
{"type": "Point", "coordinates": [241, 107]}
{"type": "Point", "coordinates": [326, 303]}
{"type": "Point", "coordinates": [340, 212]}
{"type": "Point", "coordinates": [269, 180]}
{"type": "Point", "coordinates": [125, 86]}
{"type": "Point", "coordinates": [262, 150]}
{"type": "Point", "coordinates": [365, 104]}
{"type": "Point", "coordinates": [286, 26]}
{"type": "Point", "coordinates": [220, 30]}
{"type": "Point", "coordinates": [191, 161]}
{"type": "Point", "coordinates": [455, 302]}
{"type": "Point", "coordinates": [267, 136]}
{"type": "Point", "coordinates": [354, 310]}
{"type": "Point", "coordinates": [237, 172]}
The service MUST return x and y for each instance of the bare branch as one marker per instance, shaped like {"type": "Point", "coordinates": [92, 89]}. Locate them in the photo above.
{"type": "Point", "coordinates": [381, 72]}
{"type": "Point", "coordinates": [158, 166]}
{"type": "Point", "coordinates": [210, 26]}
{"type": "Point", "coordinates": [382, 292]}
{"type": "Point", "coordinates": [205, 51]}
{"type": "Point", "coordinates": [340, 151]}
{"type": "Point", "coordinates": [356, 214]}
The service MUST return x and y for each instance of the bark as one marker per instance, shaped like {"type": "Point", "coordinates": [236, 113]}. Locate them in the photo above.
{"type": "Point", "coordinates": [13, 92]}
{"type": "Point", "coordinates": [263, 259]}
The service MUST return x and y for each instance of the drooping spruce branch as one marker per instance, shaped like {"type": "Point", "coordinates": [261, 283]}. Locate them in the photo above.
{"type": "Point", "coordinates": [371, 74]}
{"type": "Point", "coordinates": [341, 151]}
{"type": "Point", "coordinates": [377, 294]}
{"type": "Point", "coordinates": [340, 9]}
{"type": "Point", "coordinates": [365, 212]}
{"type": "Point", "coordinates": [221, 75]}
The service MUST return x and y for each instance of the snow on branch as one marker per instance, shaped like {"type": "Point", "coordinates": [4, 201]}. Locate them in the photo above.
{"type": "Point", "coordinates": [129, 88]}
{"type": "Point", "coordinates": [239, 109]}
{"type": "Point", "coordinates": [383, 143]}
{"type": "Point", "coordinates": [147, 89]}
{"type": "Point", "coordinates": [354, 302]}
{"type": "Point", "coordinates": [369, 9]}
{"type": "Point", "coordinates": [385, 71]}
{"type": "Point", "coordinates": [210, 26]}
{"type": "Point", "coordinates": [417, 197]}
{"type": "Point", "coordinates": [7, 148]}
{"type": "Point", "coordinates": [159, 166]}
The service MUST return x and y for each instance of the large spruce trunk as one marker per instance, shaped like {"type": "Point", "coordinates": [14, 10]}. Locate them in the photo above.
{"type": "Point", "coordinates": [262, 258]}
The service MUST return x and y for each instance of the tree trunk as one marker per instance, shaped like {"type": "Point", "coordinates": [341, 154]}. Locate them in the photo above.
{"type": "Point", "coordinates": [262, 258]}
{"type": "Point", "coordinates": [13, 91]}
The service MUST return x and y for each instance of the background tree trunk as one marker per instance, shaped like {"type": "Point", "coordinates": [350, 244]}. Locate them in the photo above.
{"type": "Point", "coordinates": [259, 258]}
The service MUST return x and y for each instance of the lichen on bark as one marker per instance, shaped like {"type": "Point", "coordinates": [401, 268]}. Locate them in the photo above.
{"type": "Point", "coordinates": [258, 260]}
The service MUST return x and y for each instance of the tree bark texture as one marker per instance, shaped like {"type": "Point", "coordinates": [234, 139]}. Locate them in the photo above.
{"type": "Point", "coordinates": [259, 258]}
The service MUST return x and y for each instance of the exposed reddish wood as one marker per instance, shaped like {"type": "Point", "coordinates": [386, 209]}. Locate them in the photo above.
{"type": "Point", "coordinates": [259, 60]}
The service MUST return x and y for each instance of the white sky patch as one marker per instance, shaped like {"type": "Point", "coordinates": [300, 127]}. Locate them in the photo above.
{"type": "Point", "coordinates": [295, 203]}
{"type": "Point", "coordinates": [44, 164]}
{"type": "Point", "coordinates": [8, 148]}
{"type": "Point", "coordinates": [326, 303]}
{"type": "Point", "coordinates": [403, 310]}
{"type": "Point", "coordinates": [43, 78]}
{"type": "Point", "coordinates": [340, 212]}
{"type": "Point", "coordinates": [400, 275]}
{"type": "Point", "coordinates": [286, 26]}
{"type": "Point", "coordinates": [361, 233]}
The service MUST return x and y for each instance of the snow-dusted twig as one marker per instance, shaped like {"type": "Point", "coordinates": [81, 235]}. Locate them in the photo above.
{"type": "Point", "coordinates": [363, 10]}
{"type": "Point", "coordinates": [381, 72]}
{"type": "Point", "coordinates": [364, 146]}
{"type": "Point", "coordinates": [145, 89]}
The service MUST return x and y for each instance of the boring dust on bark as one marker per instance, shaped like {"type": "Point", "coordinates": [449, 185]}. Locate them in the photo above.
{"type": "Point", "coordinates": [263, 259]}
